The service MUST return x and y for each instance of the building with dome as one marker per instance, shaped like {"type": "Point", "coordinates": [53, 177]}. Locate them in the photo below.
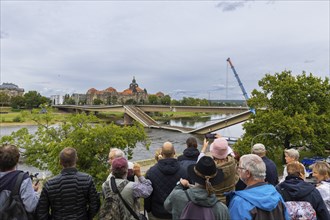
{"type": "Point", "coordinates": [11, 89]}
{"type": "Point", "coordinates": [110, 96]}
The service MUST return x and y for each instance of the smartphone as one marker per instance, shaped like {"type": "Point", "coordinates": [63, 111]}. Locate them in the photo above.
{"type": "Point", "coordinates": [210, 136]}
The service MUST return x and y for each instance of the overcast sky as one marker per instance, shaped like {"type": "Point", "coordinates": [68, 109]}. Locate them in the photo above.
{"type": "Point", "coordinates": [177, 47]}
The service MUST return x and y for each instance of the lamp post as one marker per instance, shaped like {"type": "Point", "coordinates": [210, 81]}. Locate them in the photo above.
{"type": "Point", "coordinates": [262, 134]}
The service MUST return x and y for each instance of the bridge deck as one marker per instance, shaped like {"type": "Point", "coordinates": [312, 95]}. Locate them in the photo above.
{"type": "Point", "coordinates": [138, 114]}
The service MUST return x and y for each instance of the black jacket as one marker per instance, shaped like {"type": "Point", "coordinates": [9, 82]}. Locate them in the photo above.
{"type": "Point", "coordinates": [271, 171]}
{"type": "Point", "coordinates": [164, 175]}
{"type": "Point", "coordinates": [189, 156]}
{"type": "Point", "coordinates": [299, 190]}
{"type": "Point", "coordinates": [69, 195]}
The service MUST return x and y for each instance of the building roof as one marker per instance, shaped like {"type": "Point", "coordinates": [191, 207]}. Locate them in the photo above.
{"type": "Point", "coordinates": [10, 86]}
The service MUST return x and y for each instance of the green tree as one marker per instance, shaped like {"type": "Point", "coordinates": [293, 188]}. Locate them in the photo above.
{"type": "Point", "coordinates": [296, 109]}
{"type": "Point", "coordinates": [91, 140]}
{"type": "Point", "coordinates": [4, 99]}
{"type": "Point", "coordinates": [97, 102]}
{"type": "Point", "coordinates": [33, 99]}
{"type": "Point", "coordinates": [17, 102]}
{"type": "Point", "coordinates": [165, 100]}
{"type": "Point", "coordinates": [153, 100]}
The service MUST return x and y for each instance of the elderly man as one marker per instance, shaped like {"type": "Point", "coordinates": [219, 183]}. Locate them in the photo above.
{"type": "Point", "coordinates": [164, 175]}
{"type": "Point", "coordinates": [69, 195]}
{"type": "Point", "coordinates": [259, 200]}
{"type": "Point", "coordinates": [271, 170]}
{"type": "Point", "coordinates": [116, 153]}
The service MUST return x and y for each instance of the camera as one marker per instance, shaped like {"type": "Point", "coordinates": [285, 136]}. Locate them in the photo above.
{"type": "Point", "coordinates": [210, 136]}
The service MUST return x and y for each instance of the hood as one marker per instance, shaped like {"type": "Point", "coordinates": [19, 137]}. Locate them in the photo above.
{"type": "Point", "coordinates": [168, 166]}
{"type": "Point", "coordinates": [6, 179]}
{"type": "Point", "coordinates": [200, 197]}
{"type": "Point", "coordinates": [296, 187]}
{"type": "Point", "coordinates": [189, 153]}
{"type": "Point", "coordinates": [264, 196]}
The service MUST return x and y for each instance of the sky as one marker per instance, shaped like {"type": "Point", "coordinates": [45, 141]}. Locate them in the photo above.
{"type": "Point", "coordinates": [177, 47]}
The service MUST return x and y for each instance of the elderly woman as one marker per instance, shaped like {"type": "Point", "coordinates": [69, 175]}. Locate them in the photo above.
{"type": "Point", "coordinates": [321, 172]}
{"type": "Point", "coordinates": [291, 155]}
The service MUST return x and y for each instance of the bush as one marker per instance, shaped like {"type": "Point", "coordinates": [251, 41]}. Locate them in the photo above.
{"type": "Point", "coordinates": [18, 119]}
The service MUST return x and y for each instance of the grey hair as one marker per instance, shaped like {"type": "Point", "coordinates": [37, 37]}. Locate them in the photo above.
{"type": "Point", "coordinates": [293, 153]}
{"type": "Point", "coordinates": [255, 165]}
{"type": "Point", "coordinates": [118, 152]}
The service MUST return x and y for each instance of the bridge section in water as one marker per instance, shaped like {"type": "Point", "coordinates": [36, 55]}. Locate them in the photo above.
{"type": "Point", "coordinates": [138, 113]}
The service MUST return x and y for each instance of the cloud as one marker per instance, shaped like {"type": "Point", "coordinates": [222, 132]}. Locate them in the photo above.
{"type": "Point", "coordinates": [231, 6]}
{"type": "Point", "coordinates": [3, 35]}
{"type": "Point", "coordinates": [309, 61]}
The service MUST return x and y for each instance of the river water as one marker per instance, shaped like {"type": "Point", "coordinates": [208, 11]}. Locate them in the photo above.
{"type": "Point", "coordinates": [156, 137]}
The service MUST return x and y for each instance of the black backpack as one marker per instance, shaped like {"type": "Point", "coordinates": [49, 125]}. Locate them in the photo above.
{"type": "Point", "coordinates": [13, 208]}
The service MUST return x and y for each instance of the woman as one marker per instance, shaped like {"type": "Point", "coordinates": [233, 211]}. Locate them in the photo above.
{"type": "Point", "coordinates": [321, 172]}
{"type": "Point", "coordinates": [224, 160]}
{"type": "Point", "coordinates": [291, 155]}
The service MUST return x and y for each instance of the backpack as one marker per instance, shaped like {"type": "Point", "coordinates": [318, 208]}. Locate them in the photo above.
{"type": "Point", "coordinates": [193, 211]}
{"type": "Point", "coordinates": [298, 209]}
{"type": "Point", "coordinates": [13, 208]}
{"type": "Point", "coordinates": [113, 207]}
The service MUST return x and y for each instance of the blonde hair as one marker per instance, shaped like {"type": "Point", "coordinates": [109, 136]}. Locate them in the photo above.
{"type": "Point", "coordinates": [296, 169]}
{"type": "Point", "coordinates": [323, 168]}
{"type": "Point", "coordinates": [293, 153]}
{"type": "Point", "coordinates": [158, 154]}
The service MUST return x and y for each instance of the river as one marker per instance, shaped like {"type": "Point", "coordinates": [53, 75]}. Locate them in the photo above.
{"type": "Point", "coordinates": [156, 136]}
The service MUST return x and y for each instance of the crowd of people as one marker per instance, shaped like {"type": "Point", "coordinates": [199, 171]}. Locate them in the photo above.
{"type": "Point", "coordinates": [210, 183]}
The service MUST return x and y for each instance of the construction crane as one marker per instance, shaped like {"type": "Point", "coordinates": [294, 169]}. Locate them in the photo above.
{"type": "Point", "coordinates": [240, 84]}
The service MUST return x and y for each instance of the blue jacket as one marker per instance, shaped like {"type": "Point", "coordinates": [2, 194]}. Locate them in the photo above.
{"type": "Point", "coordinates": [262, 196]}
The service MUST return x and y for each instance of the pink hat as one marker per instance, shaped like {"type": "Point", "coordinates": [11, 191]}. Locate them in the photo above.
{"type": "Point", "coordinates": [219, 148]}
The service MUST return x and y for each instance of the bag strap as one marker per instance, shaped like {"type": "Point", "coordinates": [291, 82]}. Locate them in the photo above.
{"type": "Point", "coordinates": [18, 183]}
{"type": "Point", "coordinates": [187, 195]}
{"type": "Point", "coordinates": [115, 190]}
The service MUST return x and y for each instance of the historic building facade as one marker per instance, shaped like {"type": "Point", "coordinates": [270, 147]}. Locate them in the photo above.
{"type": "Point", "coordinates": [110, 96]}
{"type": "Point", "coordinates": [11, 89]}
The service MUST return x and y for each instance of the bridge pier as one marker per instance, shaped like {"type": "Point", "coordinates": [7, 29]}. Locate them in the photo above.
{"type": "Point", "coordinates": [128, 120]}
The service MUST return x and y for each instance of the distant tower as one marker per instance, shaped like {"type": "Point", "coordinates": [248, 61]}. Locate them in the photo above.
{"type": "Point", "coordinates": [133, 85]}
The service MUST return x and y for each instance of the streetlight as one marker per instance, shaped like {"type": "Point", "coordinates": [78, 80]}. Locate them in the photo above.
{"type": "Point", "coordinates": [262, 134]}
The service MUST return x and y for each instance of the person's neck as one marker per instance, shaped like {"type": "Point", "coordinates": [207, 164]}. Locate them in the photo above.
{"type": "Point", "coordinates": [251, 181]}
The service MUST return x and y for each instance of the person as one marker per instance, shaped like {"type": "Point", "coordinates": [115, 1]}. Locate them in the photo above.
{"type": "Point", "coordinates": [321, 172]}
{"type": "Point", "coordinates": [190, 154]}
{"type": "Point", "coordinates": [9, 157]}
{"type": "Point", "coordinates": [226, 162]}
{"type": "Point", "coordinates": [115, 153]}
{"type": "Point", "coordinates": [290, 155]}
{"type": "Point", "coordinates": [163, 175]}
{"type": "Point", "coordinates": [205, 175]}
{"type": "Point", "coordinates": [259, 199]}
{"type": "Point", "coordinates": [131, 191]}
{"type": "Point", "coordinates": [69, 195]}
{"type": "Point", "coordinates": [294, 188]}
{"type": "Point", "coordinates": [271, 170]}
{"type": "Point", "coordinates": [158, 154]}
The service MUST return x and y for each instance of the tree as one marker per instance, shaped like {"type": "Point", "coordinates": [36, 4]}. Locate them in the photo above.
{"type": "Point", "coordinates": [4, 99]}
{"type": "Point", "coordinates": [17, 102]}
{"type": "Point", "coordinates": [97, 102]}
{"type": "Point", "coordinates": [92, 142]}
{"type": "Point", "coordinates": [33, 99]}
{"type": "Point", "coordinates": [165, 100]}
{"type": "Point", "coordinates": [153, 99]}
{"type": "Point", "coordinates": [295, 109]}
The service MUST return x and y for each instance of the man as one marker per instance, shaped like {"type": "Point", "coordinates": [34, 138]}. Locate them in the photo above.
{"type": "Point", "coordinates": [259, 200]}
{"type": "Point", "coordinates": [190, 154]}
{"type": "Point", "coordinates": [116, 153]}
{"type": "Point", "coordinates": [69, 195]}
{"type": "Point", "coordinates": [130, 191]}
{"type": "Point", "coordinates": [205, 175]}
{"type": "Point", "coordinates": [271, 170]}
{"type": "Point", "coordinates": [164, 175]}
{"type": "Point", "coordinates": [9, 156]}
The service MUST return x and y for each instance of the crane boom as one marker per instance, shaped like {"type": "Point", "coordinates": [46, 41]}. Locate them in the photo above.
{"type": "Point", "coordinates": [238, 80]}
{"type": "Point", "coordinates": [240, 83]}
